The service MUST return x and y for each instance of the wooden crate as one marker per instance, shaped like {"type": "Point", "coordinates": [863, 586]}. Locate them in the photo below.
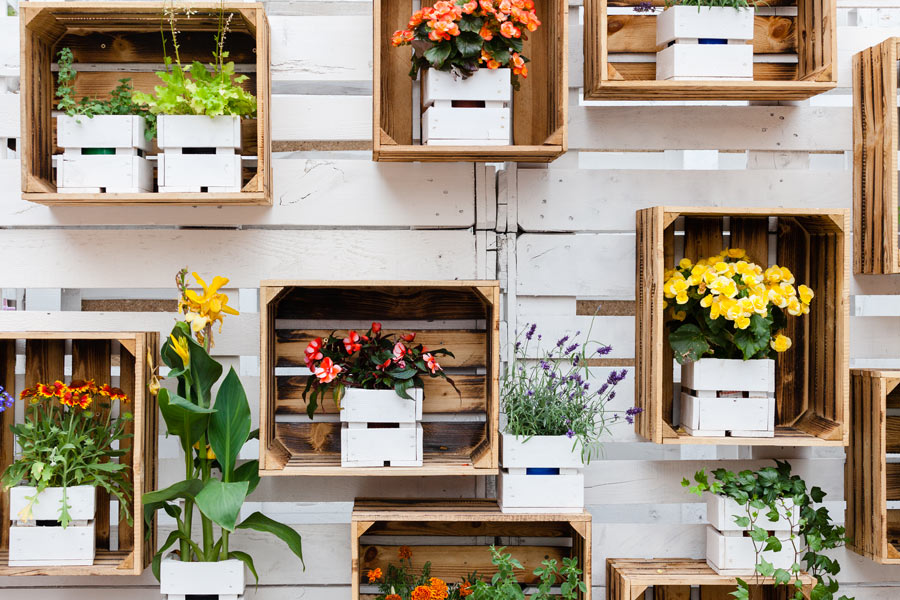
{"type": "Point", "coordinates": [875, 216]}
{"type": "Point", "coordinates": [112, 40]}
{"type": "Point", "coordinates": [616, 37]}
{"type": "Point", "coordinates": [92, 356]}
{"type": "Point", "coordinates": [812, 381]}
{"type": "Point", "coordinates": [455, 536]}
{"type": "Point", "coordinates": [539, 107]}
{"type": "Point", "coordinates": [672, 579]}
{"type": "Point", "coordinates": [870, 481]}
{"type": "Point", "coordinates": [460, 430]}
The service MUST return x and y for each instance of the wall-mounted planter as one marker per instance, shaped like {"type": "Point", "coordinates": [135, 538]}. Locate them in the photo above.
{"type": "Point", "coordinates": [467, 112]}
{"type": "Point", "coordinates": [540, 474]}
{"type": "Point", "coordinates": [35, 543]}
{"type": "Point", "coordinates": [199, 153]}
{"type": "Point", "coordinates": [365, 439]}
{"type": "Point", "coordinates": [108, 49]}
{"type": "Point", "coordinates": [91, 356]}
{"type": "Point", "coordinates": [812, 378]}
{"type": "Point", "coordinates": [705, 43]}
{"type": "Point", "coordinates": [224, 579]}
{"type": "Point", "coordinates": [617, 40]}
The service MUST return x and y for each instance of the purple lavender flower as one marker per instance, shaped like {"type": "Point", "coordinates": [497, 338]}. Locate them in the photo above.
{"type": "Point", "coordinates": [529, 393]}
{"type": "Point", "coordinates": [6, 400]}
{"type": "Point", "coordinates": [518, 345]}
{"type": "Point", "coordinates": [545, 365]}
{"type": "Point", "coordinates": [603, 388]}
{"type": "Point", "coordinates": [572, 348]}
{"type": "Point", "coordinates": [631, 412]}
{"type": "Point", "coordinates": [644, 7]}
{"type": "Point", "coordinates": [552, 375]}
{"type": "Point", "coordinates": [530, 333]}
{"type": "Point", "coordinates": [616, 376]}
{"type": "Point", "coordinates": [575, 360]}
{"type": "Point", "coordinates": [604, 350]}
{"type": "Point", "coordinates": [570, 434]}
{"type": "Point", "coordinates": [561, 341]}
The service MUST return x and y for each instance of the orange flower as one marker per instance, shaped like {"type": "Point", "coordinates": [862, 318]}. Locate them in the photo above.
{"type": "Point", "coordinates": [392, 597]}
{"type": "Point", "coordinates": [327, 370]}
{"type": "Point", "coordinates": [487, 6]}
{"type": "Point", "coordinates": [118, 394]}
{"type": "Point", "coordinates": [485, 33]}
{"type": "Point", "coordinates": [313, 352]}
{"type": "Point", "coordinates": [374, 575]}
{"type": "Point", "coordinates": [508, 30]}
{"type": "Point", "coordinates": [404, 552]}
{"type": "Point", "coordinates": [421, 593]}
{"type": "Point", "coordinates": [83, 400]}
{"type": "Point", "coordinates": [465, 589]}
{"type": "Point", "coordinates": [27, 393]}
{"type": "Point", "coordinates": [469, 7]}
{"type": "Point", "coordinates": [58, 389]}
{"type": "Point", "coordinates": [351, 343]}
{"type": "Point", "coordinates": [80, 385]}
{"type": "Point", "coordinates": [439, 589]}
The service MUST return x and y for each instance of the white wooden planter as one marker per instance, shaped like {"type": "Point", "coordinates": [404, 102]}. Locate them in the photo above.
{"type": "Point", "coordinates": [181, 169]}
{"type": "Point", "coordinates": [447, 125]}
{"type": "Point", "coordinates": [524, 492]}
{"type": "Point", "coordinates": [685, 57]}
{"type": "Point", "coordinates": [728, 396]}
{"type": "Point", "coordinates": [179, 579]}
{"type": "Point", "coordinates": [366, 442]}
{"type": "Point", "coordinates": [126, 171]}
{"type": "Point", "coordinates": [36, 545]}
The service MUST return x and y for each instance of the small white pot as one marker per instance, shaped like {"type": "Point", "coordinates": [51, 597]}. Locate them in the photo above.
{"type": "Point", "coordinates": [365, 446]}
{"type": "Point", "coordinates": [721, 512]}
{"type": "Point", "coordinates": [381, 406]}
{"type": "Point", "coordinates": [215, 172]}
{"type": "Point", "coordinates": [448, 125]}
{"type": "Point", "coordinates": [539, 451]}
{"type": "Point", "coordinates": [734, 555]}
{"type": "Point", "coordinates": [522, 490]}
{"type": "Point", "coordinates": [179, 579]}
{"type": "Point", "coordinates": [33, 545]}
{"type": "Point", "coordinates": [82, 501]}
{"type": "Point", "coordinates": [681, 29]}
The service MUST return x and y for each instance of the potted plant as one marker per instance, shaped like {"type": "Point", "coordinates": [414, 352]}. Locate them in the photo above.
{"type": "Point", "coordinates": [725, 318]}
{"type": "Point", "coordinates": [555, 418]}
{"type": "Point", "coordinates": [504, 585]}
{"type": "Point", "coordinates": [68, 441]}
{"type": "Point", "coordinates": [470, 55]}
{"type": "Point", "coordinates": [705, 39]}
{"type": "Point", "coordinates": [403, 583]}
{"type": "Point", "coordinates": [775, 527]}
{"type": "Point", "coordinates": [211, 435]}
{"type": "Point", "coordinates": [373, 379]}
{"type": "Point", "coordinates": [199, 116]}
{"type": "Point", "coordinates": [104, 142]}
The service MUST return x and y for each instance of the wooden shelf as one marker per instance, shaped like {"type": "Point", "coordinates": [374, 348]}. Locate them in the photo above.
{"type": "Point", "coordinates": [611, 41]}
{"type": "Point", "coordinates": [875, 216]}
{"type": "Point", "coordinates": [459, 429]}
{"type": "Point", "coordinates": [539, 110]}
{"type": "Point", "coordinates": [628, 578]}
{"type": "Point", "coordinates": [380, 527]}
{"type": "Point", "coordinates": [111, 40]}
{"type": "Point", "coordinates": [92, 355]}
{"type": "Point", "coordinates": [812, 381]}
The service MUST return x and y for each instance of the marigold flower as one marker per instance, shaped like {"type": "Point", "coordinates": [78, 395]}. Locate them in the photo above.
{"type": "Point", "coordinates": [405, 552]}
{"type": "Point", "coordinates": [439, 589]}
{"type": "Point", "coordinates": [374, 575]}
{"type": "Point", "coordinates": [392, 597]}
{"type": "Point", "coordinates": [465, 589]}
{"type": "Point", "coordinates": [327, 370]}
{"type": "Point", "coordinates": [421, 593]}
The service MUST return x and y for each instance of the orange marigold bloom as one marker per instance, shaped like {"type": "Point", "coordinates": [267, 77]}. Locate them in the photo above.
{"type": "Point", "coordinates": [465, 589]}
{"type": "Point", "coordinates": [421, 593]}
{"type": "Point", "coordinates": [404, 552]}
{"type": "Point", "coordinates": [439, 589]}
{"type": "Point", "coordinates": [374, 575]}
{"type": "Point", "coordinates": [392, 597]}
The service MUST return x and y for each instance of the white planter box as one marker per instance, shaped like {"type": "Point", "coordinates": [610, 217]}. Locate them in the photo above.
{"type": "Point", "coordinates": [363, 445]}
{"type": "Point", "coordinates": [179, 579]}
{"type": "Point", "coordinates": [380, 406]}
{"type": "Point", "coordinates": [446, 124]}
{"type": "Point", "coordinates": [710, 377]}
{"type": "Point", "coordinates": [734, 555]}
{"type": "Point", "coordinates": [685, 58]}
{"type": "Point", "coordinates": [33, 545]}
{"type": "Point", "coordinates": [721, 511]}
{"type": "Point", "coordinates": [540, 451]}
{"type": "Point", "coordinates": [524, 492]}
{"type": "Point", "coordinates": [102, 131]}
{"type": "Point", "coordinates": [212, 172]}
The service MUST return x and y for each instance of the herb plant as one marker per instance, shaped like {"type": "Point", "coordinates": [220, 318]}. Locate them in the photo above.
{"type": "Point", "coordinates": [765, 494]}
{"type": "Point", "coordinates": [69, 438]}
{"type": "Point", "coordinates": [402, 583]}
{"type": "Point", "coordinates": [736, 4]}
{"type": "Point", "coordinates": [211, 436]}
{"type": "Point", "coordinates": [728, 307]}
{"type": "Point", "coordinates": [505, 586]}
{"type": "Point", "coordinates": [554, 395]}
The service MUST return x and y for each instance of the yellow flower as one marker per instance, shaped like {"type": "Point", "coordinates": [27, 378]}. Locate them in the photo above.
{"type": "Point", "coordinates": [707, 301]}
{"type": "Point", "coordinates": [780, 343]}
{"type": "Point", "coordinates": [682, 298]}
{"type": "Point", "coordinates": [806, 294]}
{"type": "Point", "coordinates": [794, 307]}
{"type": "Point", "coordinates": [773, 274]}
{"type": "Point", "coordinates": [210, 455]}
{"type": "Point", "coordinates": [210, 306]}
{"type": "Point", "coordinates": [181, 348]}
{"type": "Point", "coordinates": [197, 322]}
{"type": "Point", "coordinates": [749, 279]}
{"type": "Point", "coordinates": [760, 304]}
{"type": "Point", "coordinates": [714, 311]}
{"type": "Point", "coordinates": [787, 289]}
{"type": "Point", "coordinates": [685, 263]}
{"type": "Point", "coordinates": [736, 253]}
{"type": "Point", "coordinates": [777, 299]}
{"type": "Point", "coordinates": [786, 275]}
{"type": "Point", "coordinates": [742, 322]}
{"type": "Point", "coordinates": [722, 268]}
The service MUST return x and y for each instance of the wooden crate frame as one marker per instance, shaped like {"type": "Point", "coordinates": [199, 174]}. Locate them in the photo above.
{"type": "Point", "coordinates": [815, 72]}
{"type": "Point", "coordinates": [45, 354]}
{"type": "Point", "coordinates": [813, 244]}
{"type": "Point", "coordinates": [540, 107]}
{"type": "Point", "coordinates": [869, 480]}
{"type": "Point", "coordinates": [303, 448]}
{"type": "Point", "coordinates": [107, 32]}
{"type": "Point", "coordinates": [672, 578]}
{"type": "Point", "coordinates": [875, 132]}
{"type": "Point", "coordinates": [392, 523]}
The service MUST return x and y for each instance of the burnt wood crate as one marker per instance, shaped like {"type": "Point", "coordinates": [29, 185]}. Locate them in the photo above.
{"type": "Point", "coordinates": [456, 535]}
{"type": "Point", "coordinates": [613, 31]}
{"type": "Point", "coordinates": [114, 40]}
{"type": "Point", "coordinates": [539, 109]}
{"type": "Point", "coordinates": [459, 430]}
{"type": "Point", "coordinates": [92, 356]}
{"type": "Point", "coordinates": [812, 379]}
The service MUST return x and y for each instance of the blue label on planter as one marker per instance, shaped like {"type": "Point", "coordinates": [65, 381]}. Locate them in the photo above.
{"type": "Point", "coordinates": [713, 41]}
{"type": "Point", "coordinates": [541, 471]}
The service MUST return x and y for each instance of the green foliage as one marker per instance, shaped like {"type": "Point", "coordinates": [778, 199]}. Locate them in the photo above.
{"type": "Point", "coordinates": [767, 495]}
{"type": "Point", "coordinates": [736, 4]}
{"type": "Point", "coordinates": [505, 586]}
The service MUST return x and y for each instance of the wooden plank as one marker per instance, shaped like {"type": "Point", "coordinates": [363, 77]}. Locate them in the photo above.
{"type": "Point", "coordinates": [7, 418]}
{"type": "Point", "coordinates": [127, 382]}
{"type": "Point", "coordinates": [636, 33]}
{"type": "Point", "coordinates": [349, 301]}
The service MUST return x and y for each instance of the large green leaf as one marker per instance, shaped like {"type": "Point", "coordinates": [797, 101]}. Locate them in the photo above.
{"type": "Point", "coordinates": [221, 502]}
{"type": "Point", "coordinates": [249, 472]}
{"type": "Point", "coordinates": [204, 370]}
{"type": "Point", "coordinates": [183, 418]}
{"type": "Point", "coordinates": [469, 44]}
{"type": "Point", "coordinates": [748, 342]}
{"type": "Point", "coordinates": [247, 560]}
{"type": "Point", "coordinates": [436, 55]}
{"type": "Point", "coordinates": [260, 522]}
{"type": "Point", "coordinates": [688, 343]}
{"type": "Point", "coordinates": [153, 501]}
{"type": "Point", "coordinates": [229, 426]}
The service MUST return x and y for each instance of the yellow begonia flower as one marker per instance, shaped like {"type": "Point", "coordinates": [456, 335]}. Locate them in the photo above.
{"type": "Point", "coordinates": [722, 267]}
{"type": "Point", "coordinates": [682, 298]}
{"type": "Point", "coordinates": [735, 253]}
{"type": "Point", "coordinates": [787, 289]}
{"type": "Point", "coordinates": [786, 275]}
{"type": "Point", "coordinates": [806, 294]}
{"type": "Point", "coordinates": [714, 311]}
{"type": "Point", "coordinates": [685, 263]}
{"type": "Point", "coordinates": [180, 345]}
{"type": "Point", "coordinates": [742, 322]}
{"type": "Point", "coordinates": [780, 343]}
{"type": "Point", "coordinates": [706, 301]}
{"type": "Point", "coordinates": [760, 304]}
{"type": "Point", "coordinates": [777, 299]}
{"type": "Point", "coordinates": [794, 307]}
{"type": "Point", "coordinates": [749, 279]}
{"type": "Point", "coordinates": [773, 274]}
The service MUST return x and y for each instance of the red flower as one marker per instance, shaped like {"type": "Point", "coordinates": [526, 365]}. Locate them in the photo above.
{"type": "Point", "coordinates": [399, 350]}
{"type": "Point", "coordinates": [376, 328]}
{"type": "Point", "coordinates": [384, 365]}
{"type": "Point", "coordinates": [327, 371]}
{"type": "Point", "coordinates": [351, 343]}
{"type": "Point", "coordinates": [408, 337]}
{"type": "Point", "coordinates": [432, 363]}
{"type": "Point", "coordinates": [313, 352]}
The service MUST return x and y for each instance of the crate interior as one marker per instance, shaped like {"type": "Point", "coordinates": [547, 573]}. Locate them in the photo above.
{"type": "Point", "coordinates": [108, 46]}
{"type": "Point", "coordinates": [892, 470]}
{"type": "Point", "coordinates": [456, 426]}
{"type": "Point", "coordinates": [46, 360]}
{"type": "Point", "coordinates": [810, 377]}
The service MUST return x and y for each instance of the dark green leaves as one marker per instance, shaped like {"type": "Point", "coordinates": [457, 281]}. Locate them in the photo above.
{"type": "Point", "coordinates": [436, 55]}
{"type": "Point", "coordinates": [229, 426]}
{"type": "Point", "coordinates": [469, 44]}
{"type": "Point", "coordinates": [754, 340]}
{"type": "Point", "coordinates": [259, 522]}
{"type": "Point", "coordinates": [184, 419]}
{"type": "Point", "coordinates": [688, 343]}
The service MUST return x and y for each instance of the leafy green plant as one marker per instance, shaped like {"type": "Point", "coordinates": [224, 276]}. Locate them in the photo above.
{"type": "Point", "coordinates": [401, 582]}
{"type": "Point", "coordinates": [505, 586]}
{"type": "Point", "coordinates": [736, 4]}
{"type": "Point", "coordinates": [766, 493]}
{"type": "Point", "coordinates": [211, 436]}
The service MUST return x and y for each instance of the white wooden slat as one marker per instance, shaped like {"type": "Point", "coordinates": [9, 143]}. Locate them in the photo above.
{"type": "Point", "coordinates": [304, 48]}
{"type": "Point", "coordinates": [98, 258]}
{"type": "Point", "coordinates": [321, 117]}
{"type": "Point", "coordinates": [9, 114]}
{"type": "Point", "coordinates": [9, 45]}
{"type": "Point", "coordinates": [874, 306]}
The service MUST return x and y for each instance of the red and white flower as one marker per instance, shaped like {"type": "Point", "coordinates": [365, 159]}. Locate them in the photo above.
{"type": "Point", "coordinates": [313, 352]}
{"type": "Point", "coordinates": [399, 350]}
{"type": "Point", "coordinates": [431, 362]}
{"type": "Point", "coordinates": [351, 343]}
{"type": "Point", "coordinates": [327, 370]}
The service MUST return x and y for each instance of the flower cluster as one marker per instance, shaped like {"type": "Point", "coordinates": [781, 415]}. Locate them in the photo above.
{"type": "Point", "coordinates": [6, 399]}
{"type": "Point", "coordinates": [78, 393]}
{"type": "Point", "coordinates": [201, 311]}
{"type": "Point", "coordinates": [463, 35]}
{"type": "Point", "coordinates": [399, 583]}
{"type": "Point", "coordinates": [372, 360]}
{"type": "Point", "coordinates": [730, 307]}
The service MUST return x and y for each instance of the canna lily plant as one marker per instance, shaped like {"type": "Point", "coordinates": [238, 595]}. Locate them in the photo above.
{"type": "Point", "coordinates": [211, 434]}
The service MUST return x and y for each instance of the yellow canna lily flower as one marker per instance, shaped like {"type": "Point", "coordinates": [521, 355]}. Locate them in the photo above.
{"type": "Point", "coordinates": [181, 348]}
{"type": "Point", "coordinates": [210, 455]}
{"type": "Point", "coordinates": [208, 307]}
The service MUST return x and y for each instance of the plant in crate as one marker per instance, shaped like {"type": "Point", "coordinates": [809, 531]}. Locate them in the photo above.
{"type": "Point", "coordinates": [402, 582]}
{"type": "Point", "coordinates": [504, 585]}
{"type": "Point", "coordinates": [556, 414]}
{"type": "Point", "coordinates": [69, 443]}
{"type": "Point", "coordinates": [198, 107]}
{"type": "Point", "coordinates": [373, 377]}
{"type": "Point", "coordinates": [211, 435]}
{"type": "Point", "coordinates": [725, 321]}
{"type": "Point", "coordinates": [470, 52]}
{"type": "Point", "coordinates": [767, 523]}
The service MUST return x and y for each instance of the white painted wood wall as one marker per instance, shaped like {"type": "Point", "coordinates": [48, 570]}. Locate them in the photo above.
{"type": "Point", "coordinates": [551, 235]}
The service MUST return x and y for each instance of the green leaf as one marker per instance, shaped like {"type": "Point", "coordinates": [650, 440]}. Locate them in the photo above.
{"type": "Point", "coordinates": [688, 343]}
{"type": "Point", "coordinates": [183, 418]}
{"type": "Point", "coordinates": [469, 44]}
{"type": "Point", "coordinates": [436, 55]}
{"type": "Point", "coordinates": [249, 472]}
{"type": "Point", "coordinates": [247, 560]}
{"type": "Point", "coordinates": [782, 576]}
{"type": "Point", "coordinates": [471, 23]}
{"type": "Point", "coordinates": [755, 338]}
{"type": "Point", "coordinates": [229, 426]}
{"type": "Point", "coordinates": [221, 502]}
{"type": "Point", "coordinates": [153, 501]}
{"type": "Point", "coordinates": [259, 522]}
{"type": "Point", "coordinates": [773, 544]}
